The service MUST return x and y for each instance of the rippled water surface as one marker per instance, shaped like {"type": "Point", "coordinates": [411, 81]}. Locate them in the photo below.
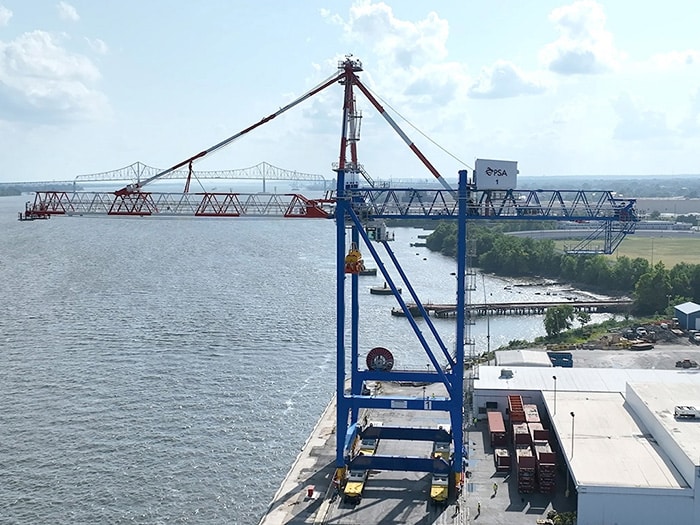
{"type": "Point", "coordinates": [168, 371]}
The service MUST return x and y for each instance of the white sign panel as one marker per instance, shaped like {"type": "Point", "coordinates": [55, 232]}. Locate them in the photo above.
{"type": "Point", "coordinates": [495, 174]}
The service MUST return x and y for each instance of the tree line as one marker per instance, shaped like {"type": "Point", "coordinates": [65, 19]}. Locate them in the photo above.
{"type": "Point", "coordinates": [654, 288]}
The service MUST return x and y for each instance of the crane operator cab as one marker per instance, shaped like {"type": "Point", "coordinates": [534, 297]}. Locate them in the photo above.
{"type": "Point", "coordinates": [377, 231]}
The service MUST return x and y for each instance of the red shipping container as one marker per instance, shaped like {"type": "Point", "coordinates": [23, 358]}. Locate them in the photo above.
{"type": "Point", "coordinates": [521, 435]}
{"type": "Point", "coordinates": [497, 428]}
{"type": "Point", "coordinates": [544, 454]}
{"type": "Point", "coordinates": [515, 409]}
{"type": "Point", "coordinates": [538, 432]}
{"type": "Point", "coordinates": [525, 459]}
{"type": "Point", "coordinates": [501, 458]}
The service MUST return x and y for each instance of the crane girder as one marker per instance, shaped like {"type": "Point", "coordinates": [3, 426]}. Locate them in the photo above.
{"type": "Point", "coordinates": [558, 205]}
{"type": "Point", "coordinates": [369, 203]}
{"type": "Point", "coordinates": [141, 204]}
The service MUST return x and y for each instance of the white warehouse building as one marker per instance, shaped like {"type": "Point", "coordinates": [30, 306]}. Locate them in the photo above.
{"type": "Point", "coordinates": [630, 459]}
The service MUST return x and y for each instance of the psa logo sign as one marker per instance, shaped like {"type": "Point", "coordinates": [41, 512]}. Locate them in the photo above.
{"type": "Point", "coordinates": [496, 172]}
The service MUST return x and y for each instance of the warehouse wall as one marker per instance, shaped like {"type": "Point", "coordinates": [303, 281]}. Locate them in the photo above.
{"type": "Point", "coordinates": [622, 506]}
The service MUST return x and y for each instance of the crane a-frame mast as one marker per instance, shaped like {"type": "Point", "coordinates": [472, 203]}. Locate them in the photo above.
{"type": "Point", "coordinates": [359, 211]}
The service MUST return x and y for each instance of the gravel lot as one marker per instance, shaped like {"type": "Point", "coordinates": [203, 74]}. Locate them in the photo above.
{"type": "Point", "coordinates": [663, 356]}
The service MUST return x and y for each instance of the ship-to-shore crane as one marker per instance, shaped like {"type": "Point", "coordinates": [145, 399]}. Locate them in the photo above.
{"type": "Point", "coordinates": [359, 209]}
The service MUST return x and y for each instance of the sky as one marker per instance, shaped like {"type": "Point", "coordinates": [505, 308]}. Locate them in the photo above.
{"type": "Point", "coordinates": [563, 88]}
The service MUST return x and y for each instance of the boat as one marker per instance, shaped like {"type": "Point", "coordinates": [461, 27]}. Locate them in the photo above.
{"type": "Point", "coordinates": [368, 271]}
{"type": "Point", "coordinates": [398, 312]}
{"type": "Point", "coordinates": [382, 290]}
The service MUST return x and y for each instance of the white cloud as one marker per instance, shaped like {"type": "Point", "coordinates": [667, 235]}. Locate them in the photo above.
{"type": "Point", "coordinates": [42, 81]}
{"type": "Point", "coordinates": [67, 12]}
{"type": "Point", "coordinates": [636, 123]}
{"type": "Point", "coordinates": [401, 42]}
{"type": "Point", "coordinates": [97, 45]}
{"type": "Point", "coordinates": [584, 45]}
{"type": "Point", "coordinates": [410, 57]}
{"type": "Point", "coordinates": [5, 15]}
{"type": "Point", "coordinates": [405, 43]}
{"type": "Point", "coordinates": [674, 60]}
{"type": "Point", "coordinates": [504, 80]}
{"type": "Point", "coordinates": [691, 123]}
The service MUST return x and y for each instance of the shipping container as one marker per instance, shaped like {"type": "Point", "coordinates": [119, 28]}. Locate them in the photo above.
{"type": "Point", "coordinates": [526, 468]}
{"type": "Point", "coordinates": [525, 458]}
{"type": "Point", "coordinates": [538, 432]}
{"type": "Point", "coordinates": [546, 467]}
{"type": "Point", "coordinates": [497, 428]}
{"type": "Point", "coordinates": [515, 409]}
{"type": "Point", "coordinates": [532, 415]}
{"type": "Point", "coordinates": [521, 435]}
{"type": "Point", "coordinates": [544, 453]}
{"type": "Point", "coordinates": [501, 459]}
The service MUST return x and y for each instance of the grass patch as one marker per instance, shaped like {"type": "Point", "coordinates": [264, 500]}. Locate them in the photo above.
{"type": "Point", "coordinates": [670, 250]}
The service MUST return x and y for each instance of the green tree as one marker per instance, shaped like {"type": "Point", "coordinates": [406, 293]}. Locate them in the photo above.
{"type": "Point", "coordinates": [558, 319]}
{"type": "Point", "coordinates": [583, 318]}
{"type": "Point", "coordinates": [652, 290]}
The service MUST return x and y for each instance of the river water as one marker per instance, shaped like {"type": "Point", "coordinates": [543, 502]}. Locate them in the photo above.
{"type": "Point", "coordinates": [168, 371]}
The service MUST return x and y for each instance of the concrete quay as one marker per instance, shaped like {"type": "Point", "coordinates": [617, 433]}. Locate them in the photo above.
{"type": "Point", "coordinates": [403, 497]}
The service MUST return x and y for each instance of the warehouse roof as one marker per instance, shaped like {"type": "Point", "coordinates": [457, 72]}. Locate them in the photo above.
{"type": "Point", "coordinates": [610, 445]}
{"type": "Point", "coordinates": [661, 399]}
{"type": "Point", "coordinates": [688, 308]}
{"type": "Point", "coordinates": [522, 358]}
{"type": "Point", "coordinates": [576, 379]}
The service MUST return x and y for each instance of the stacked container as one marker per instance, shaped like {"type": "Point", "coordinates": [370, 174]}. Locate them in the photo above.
{"type": "Point", "coordinates": [499, 441]}
{"type": "Point", "coordinates": [525, 462]}
{"type": "Point", "coordinates": [546, 466]}
{"type": "Point", "coordinates": [544, 457]}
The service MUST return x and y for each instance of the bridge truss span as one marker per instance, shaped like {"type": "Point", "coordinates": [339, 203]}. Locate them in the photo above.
{"type": "Point", "coordinates": [139, 171]}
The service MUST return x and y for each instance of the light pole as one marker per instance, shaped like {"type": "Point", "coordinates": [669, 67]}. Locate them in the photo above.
{"type": "Point", "coordinates": [488, 322]}
{"type": "Point", "coordinates": [555, 394]}
{"type": "Point", "coordinates": [572, 434]}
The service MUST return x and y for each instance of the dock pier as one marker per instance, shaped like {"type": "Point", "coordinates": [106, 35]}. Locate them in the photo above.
{"type": "Point", "coordinates": [530, 308]}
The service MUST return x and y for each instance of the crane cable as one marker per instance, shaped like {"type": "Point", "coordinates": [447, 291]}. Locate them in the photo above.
{"type": "Point", "coordinates": [384, 102]}
{"type": "Point", "coordinates": [319, 87]}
